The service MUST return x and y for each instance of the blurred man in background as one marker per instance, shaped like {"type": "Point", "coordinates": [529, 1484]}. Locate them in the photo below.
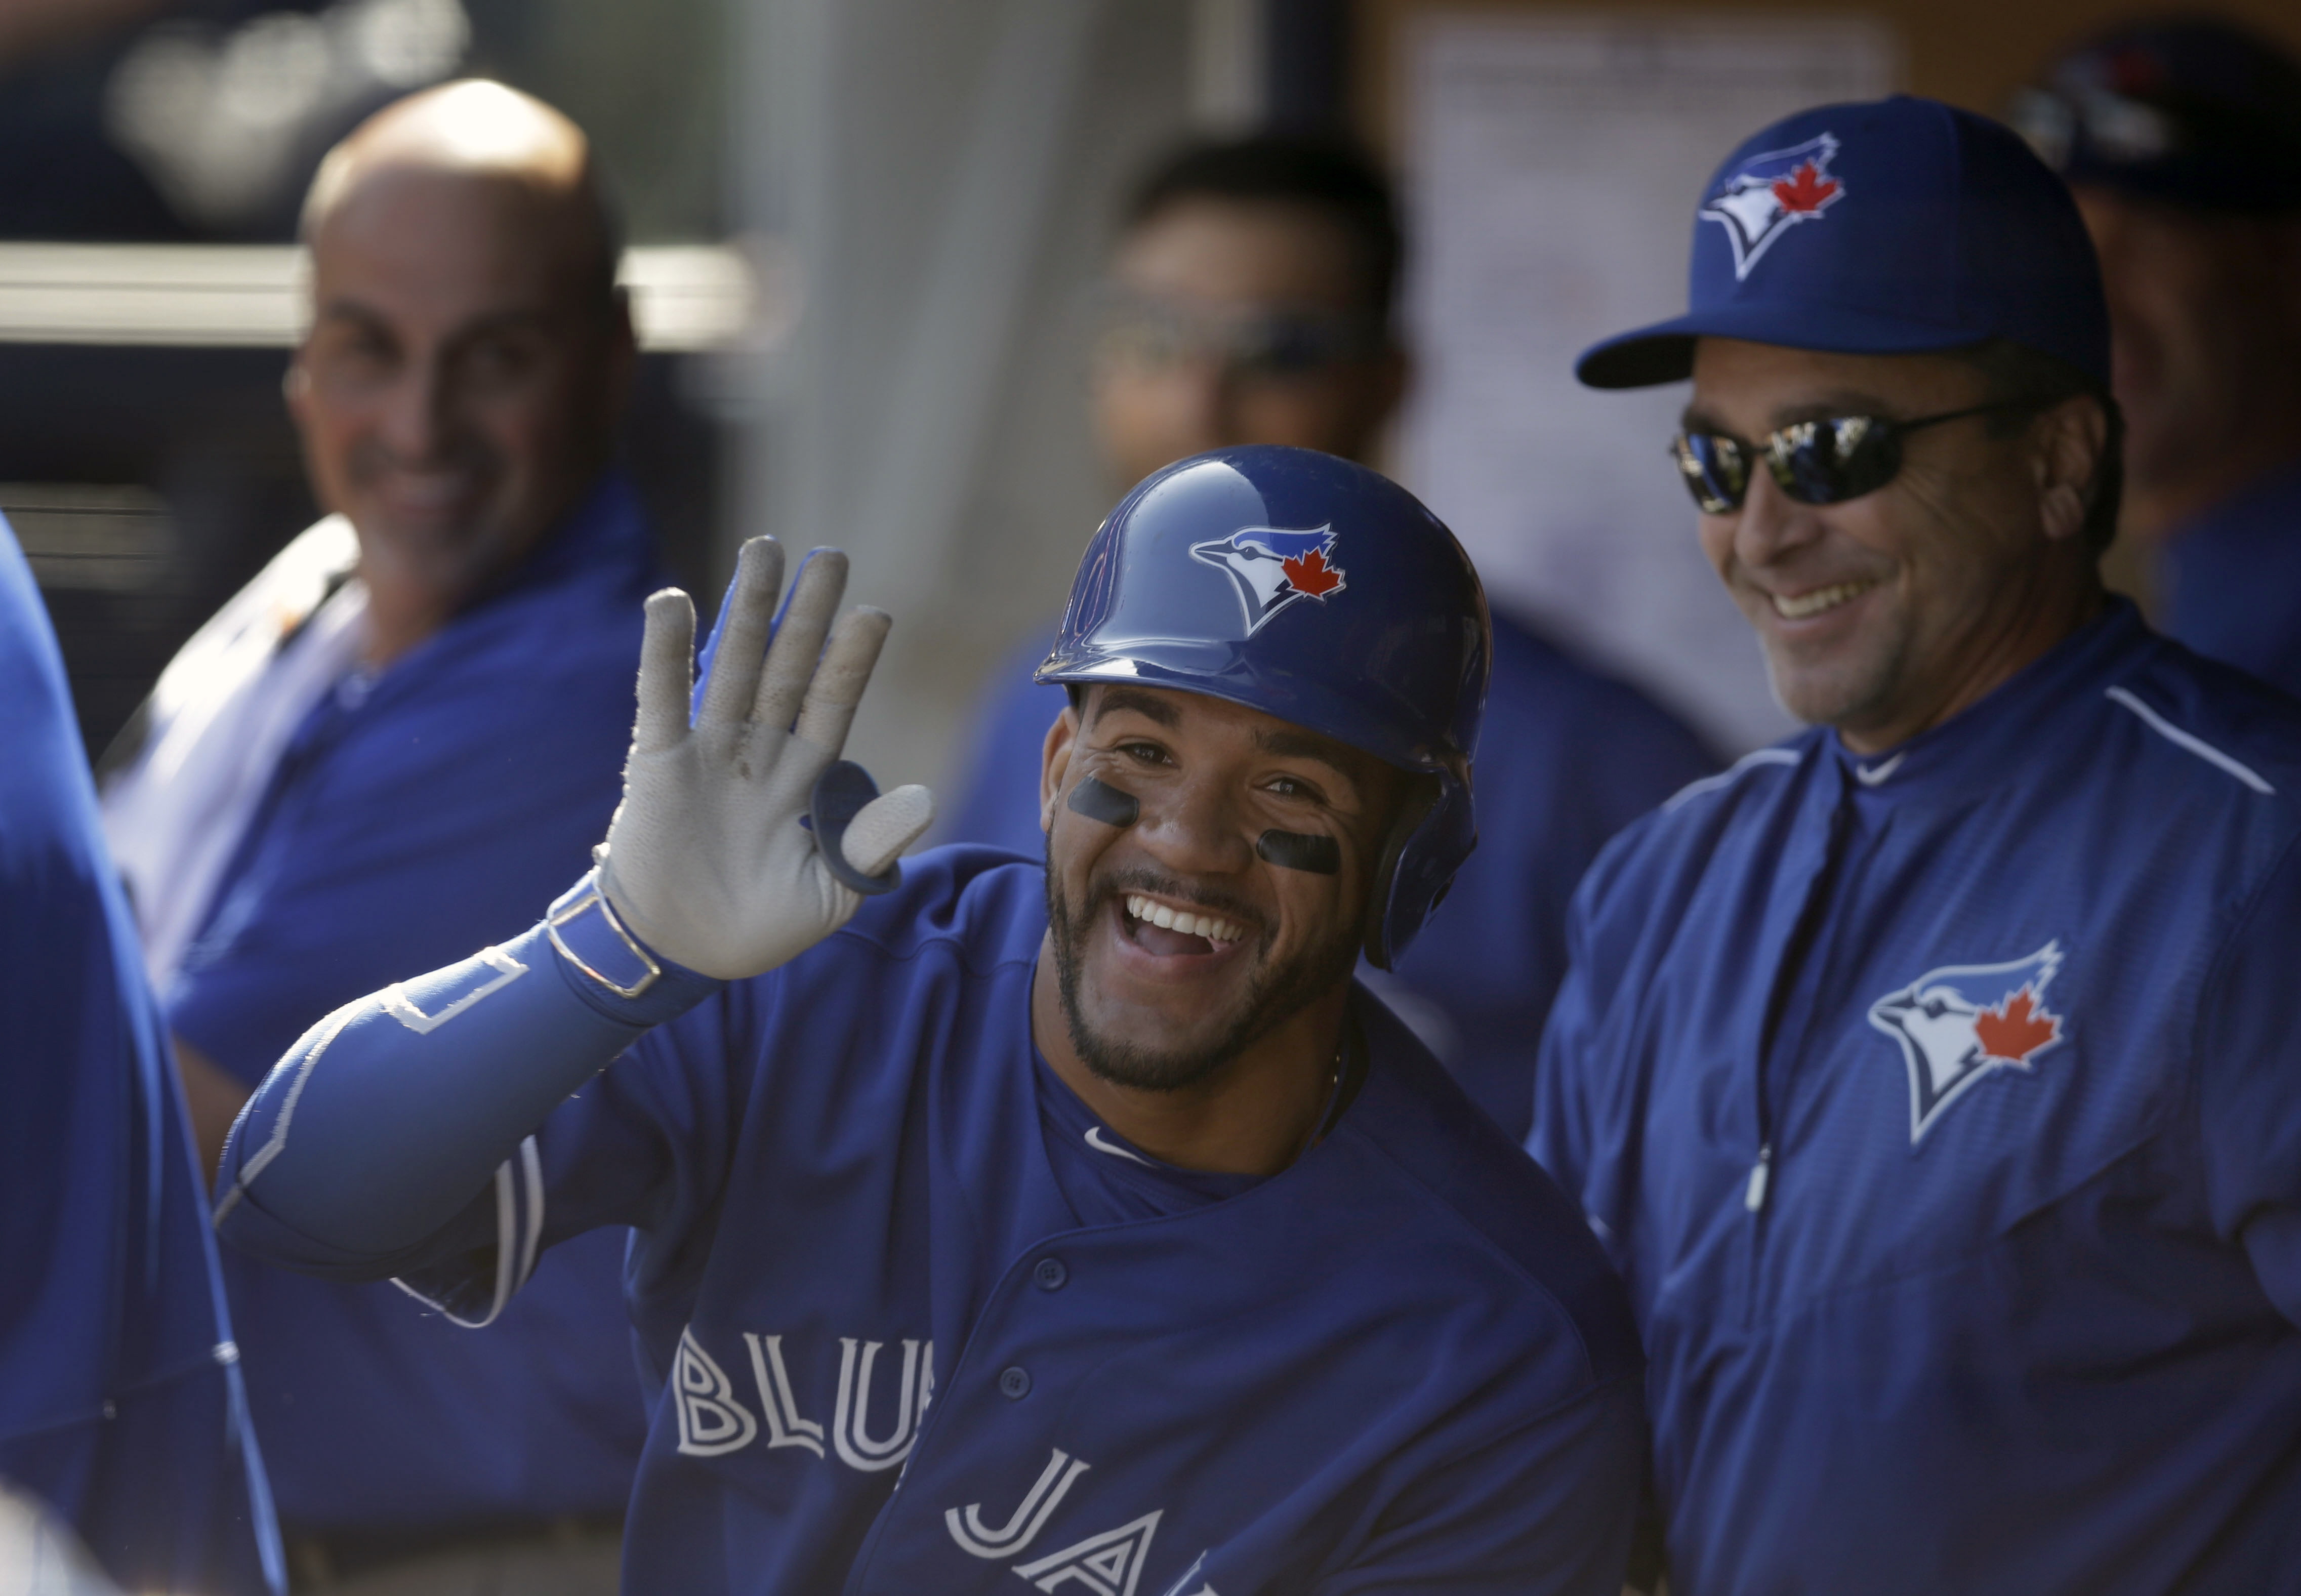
{"type": "Point", "coordinates": [1252, 290]}
{"type": "Point", "coordinates": [121, 1405]}
{"type": "Point", "coordinates": [2182, 141]}
{"type": "Point", "coordinates": [372, 750]}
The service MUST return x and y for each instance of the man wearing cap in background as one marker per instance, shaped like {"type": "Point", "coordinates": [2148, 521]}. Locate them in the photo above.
{"type": "Point", "coordinates": [407, 726]}
{"type": "Point", "coordinates": [2182, 141]}
{"type": "Point", "coordinates": [1253, 288]}
{"type": "Point", "coordinates": [1934, 1078]}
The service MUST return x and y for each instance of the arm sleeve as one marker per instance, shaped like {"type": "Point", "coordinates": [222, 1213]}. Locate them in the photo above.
{"type": "Point", "coordinates": [2248, 1056]}
{"type": "Point", "coordinates": [1544, 1510]}
{"type": "Point", "coordinates": [397, 1132]}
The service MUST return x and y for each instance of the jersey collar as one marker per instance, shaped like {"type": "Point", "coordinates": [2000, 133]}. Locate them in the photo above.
{"type": "Point", "coordinates": [2003, 737]}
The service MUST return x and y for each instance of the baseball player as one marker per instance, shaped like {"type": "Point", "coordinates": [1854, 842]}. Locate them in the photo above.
{"type": "Point", "coordinates": [1251, 299]}
{"type": "Point", "coordinates": [121, 1407]}
{"type": "Point", "coordinates": [1930, 1077]}
{"type": "Point", "coordinates": [1080, 1223]}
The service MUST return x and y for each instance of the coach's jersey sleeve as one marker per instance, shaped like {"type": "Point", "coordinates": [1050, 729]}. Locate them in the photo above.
{"type": "Point", "coordinates": [1573, 1084]}
{"type": "Point", "coordinates": [2249, 1053]}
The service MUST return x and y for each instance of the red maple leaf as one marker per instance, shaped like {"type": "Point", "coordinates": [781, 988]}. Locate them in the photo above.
{"type": "Point", "coordinates": [2015, 1028]}
{"type": "Point", "coordinates": [1805, 190]}
{"type": "Point", "coordinates": [1309, 574]}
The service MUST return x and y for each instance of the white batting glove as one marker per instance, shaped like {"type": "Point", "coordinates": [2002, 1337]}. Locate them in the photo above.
{"type": "Point", "coordinates": [705, 861]}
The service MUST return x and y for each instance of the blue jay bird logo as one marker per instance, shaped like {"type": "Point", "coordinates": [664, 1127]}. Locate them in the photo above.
{"type": "Point", "coordinates": [1961, 1022]}
{"type": "Point", "coordinates": [1272, 568]}
{"type": "Point", "coordinates": [1769, 193]}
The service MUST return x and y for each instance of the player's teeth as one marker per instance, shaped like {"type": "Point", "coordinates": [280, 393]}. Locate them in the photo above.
{"type": "Point", "coordinates": [1819, 600]}
{"type": "Point", "coordinates": [1211, 927]}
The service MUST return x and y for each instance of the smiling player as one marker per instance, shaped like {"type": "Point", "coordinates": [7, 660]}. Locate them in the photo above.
{"type": "Point", "coordinates": [1931, 1076]}
{"type": "Point", "coordinates": [1094, 1207]}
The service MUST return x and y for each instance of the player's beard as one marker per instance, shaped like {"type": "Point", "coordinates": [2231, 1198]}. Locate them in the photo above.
{"type": "Point", "coordinates": [1275, 993]}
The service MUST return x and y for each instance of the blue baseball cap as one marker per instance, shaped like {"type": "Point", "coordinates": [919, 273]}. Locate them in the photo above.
{"type": "Point", "coordinates": [1893, 227]}
{"type": "Point", "coordinates": [2190, 111]}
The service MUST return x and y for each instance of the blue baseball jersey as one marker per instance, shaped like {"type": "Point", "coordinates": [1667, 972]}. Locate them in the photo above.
{"type": "Point", "coordinates": [918, 1321]}
{"type": "Point", "coordinates": [436, 801]}
{"type": "Point", "coordinates": [1566, 758]}
{"type": "Point", "coordinates": [121, 1402]}
{"type": "Point", "coordinates": [2231, 579]}
{"type": "Point", "coordinates": [1941, 1110]}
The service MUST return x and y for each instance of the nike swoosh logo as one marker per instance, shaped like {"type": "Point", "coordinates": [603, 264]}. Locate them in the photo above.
{"type": "Point", "coordinates": [1869, 775]}
{"type": "Point", "coordinates": [1095, 1139]}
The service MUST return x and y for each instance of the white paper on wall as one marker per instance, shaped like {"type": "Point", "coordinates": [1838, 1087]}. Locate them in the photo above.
{"type": "Point", "coordinates": [1554, 163]}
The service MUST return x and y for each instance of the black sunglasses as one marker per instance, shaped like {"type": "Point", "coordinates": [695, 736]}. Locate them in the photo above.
{"type": "Point", "coordinates": [1824, 462]}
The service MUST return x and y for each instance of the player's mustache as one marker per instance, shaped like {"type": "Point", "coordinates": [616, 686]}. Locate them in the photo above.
{"type": "Point", "coordinates": [1137, 878]}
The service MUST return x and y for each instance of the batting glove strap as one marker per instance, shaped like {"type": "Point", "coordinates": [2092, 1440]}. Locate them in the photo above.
{"type": "Point", "coordinates": [612, 970]}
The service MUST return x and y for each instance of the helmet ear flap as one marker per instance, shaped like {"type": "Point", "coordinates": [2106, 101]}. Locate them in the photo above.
{"type": "Point", "coordinates": [1420, 799]}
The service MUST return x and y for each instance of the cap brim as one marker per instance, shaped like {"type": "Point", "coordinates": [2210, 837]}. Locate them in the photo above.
{"type": "Point", "coordinates": [1664, 352]}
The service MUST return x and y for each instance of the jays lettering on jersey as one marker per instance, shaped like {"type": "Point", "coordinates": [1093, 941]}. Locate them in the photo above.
{"type": "Point", "coordinates": [919, 1321]}
{"type": "Point", "coordinates": [1943, 1112]}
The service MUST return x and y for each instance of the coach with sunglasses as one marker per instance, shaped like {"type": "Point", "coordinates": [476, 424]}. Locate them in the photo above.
{"type": "Point", "coordinates": [1934, 1078]}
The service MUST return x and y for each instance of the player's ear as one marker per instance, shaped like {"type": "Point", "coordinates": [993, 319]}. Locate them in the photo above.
{"type": "Point", "coordinates": [295, 388]}
{"type": "Point", "coordinates": [1055, 762]}
{"type": "Point", "coordinates": [2066, 444]}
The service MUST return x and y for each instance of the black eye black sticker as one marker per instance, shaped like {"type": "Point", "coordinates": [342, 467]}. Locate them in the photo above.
{"type": "Point", "coordinates": [1294, 850]}
{"type": "Point", "coordinates": [1101, 801]}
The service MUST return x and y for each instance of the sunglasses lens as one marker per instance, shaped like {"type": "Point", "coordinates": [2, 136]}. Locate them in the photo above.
{"type": "Point", "coordinates": [1716, 470]}
{"type": "Point", "coordinates": [1830, 462]}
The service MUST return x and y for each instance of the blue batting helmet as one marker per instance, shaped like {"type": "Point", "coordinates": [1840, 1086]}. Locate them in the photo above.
{"type": "Point", "coordinates": [1317, 591]}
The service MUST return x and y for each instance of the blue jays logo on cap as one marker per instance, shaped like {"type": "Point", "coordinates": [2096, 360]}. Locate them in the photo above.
{"type": "Point", "coordinates": [1770, 193]}
{"type": "Point", "coordinates": [1963, 1021]}
{"type": "Point", "coordinates": [1272, 568]}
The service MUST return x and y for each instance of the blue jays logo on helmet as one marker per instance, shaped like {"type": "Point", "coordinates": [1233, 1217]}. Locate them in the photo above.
{"type": "Point", "coordinates": [1961, 1022]}
{"type": "Point", "coordinates": [1272, 568]}
{"type": "Point", "coordinates": [1397, 669]}
{"type": "Point", "coordinates": [1770, 193]}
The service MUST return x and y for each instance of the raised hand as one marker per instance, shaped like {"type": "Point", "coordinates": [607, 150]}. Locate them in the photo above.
{"type": "Point", "coordinates": [706, 861]}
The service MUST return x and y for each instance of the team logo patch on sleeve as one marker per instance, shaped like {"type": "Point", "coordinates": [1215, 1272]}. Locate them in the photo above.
{"type": "Point", "coordinates": [1272, 568]}
{"type": "Point", "coordinates": [1769, 193]}
{"type": "Point", "coordinates": [1963, 1021]}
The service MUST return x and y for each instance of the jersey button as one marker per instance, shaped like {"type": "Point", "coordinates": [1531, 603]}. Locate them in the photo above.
{"type": "Point", "coordinates": [1015, 1383]}
{"type": "Point", "coordinates": [1051, 1275]}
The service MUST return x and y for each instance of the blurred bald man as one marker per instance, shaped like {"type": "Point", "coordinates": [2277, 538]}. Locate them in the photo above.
{"type": "Point", "coordinates": [408, 727]}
